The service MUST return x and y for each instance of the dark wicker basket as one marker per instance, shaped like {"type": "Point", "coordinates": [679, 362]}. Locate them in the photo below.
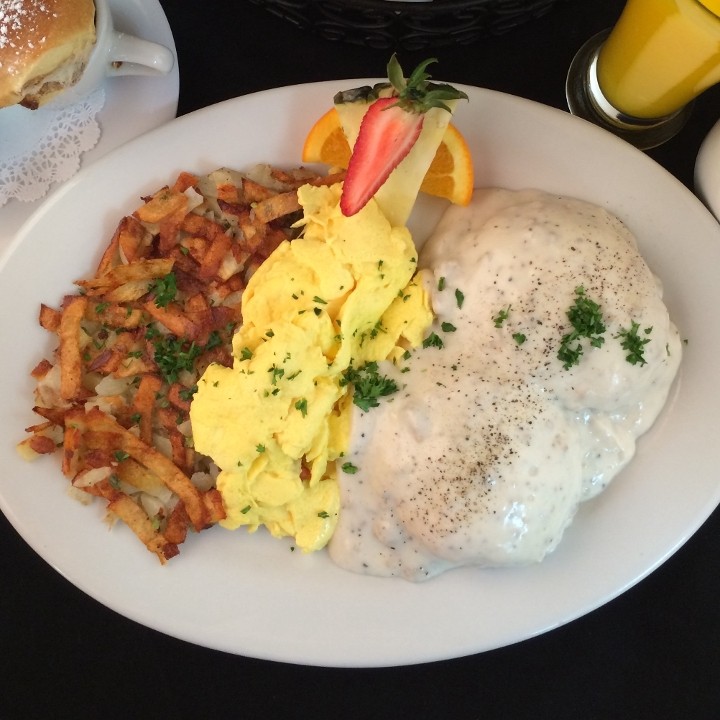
{"type": "Point", "coordinates": [408, 25]}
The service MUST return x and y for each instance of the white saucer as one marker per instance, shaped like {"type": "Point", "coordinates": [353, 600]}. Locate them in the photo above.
{"type": "Point", "coordinates": [707, 171]}
{"type": "Point", "coordinates": [133, 105]}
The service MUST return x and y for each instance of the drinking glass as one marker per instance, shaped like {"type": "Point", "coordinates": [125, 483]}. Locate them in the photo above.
{"type": "Point", "coordinates": [639, 79]}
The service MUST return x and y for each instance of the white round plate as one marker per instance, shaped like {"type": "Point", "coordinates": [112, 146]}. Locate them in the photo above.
{"type": "Point", "coordinates": [133, 104]}
{"type": "Point", "coordinates": [249, 594]}
{"type": "Point", "coordinates": [707, 170]}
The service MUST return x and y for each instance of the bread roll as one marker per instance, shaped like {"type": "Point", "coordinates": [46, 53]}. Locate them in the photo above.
{"type": "Point", "coordinates": [44, 46]}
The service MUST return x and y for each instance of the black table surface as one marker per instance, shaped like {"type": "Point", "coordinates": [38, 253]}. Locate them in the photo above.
{"type": "Point", "coordinates": [654, 652]}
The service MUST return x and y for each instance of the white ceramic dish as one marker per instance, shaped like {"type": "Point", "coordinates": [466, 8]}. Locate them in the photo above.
{"type": "Point", "coordinates": [250, 594]}
{"type": "Point", "coordinates": [133, 105]}
{"type": "Point", "coordinates": [707, 170]}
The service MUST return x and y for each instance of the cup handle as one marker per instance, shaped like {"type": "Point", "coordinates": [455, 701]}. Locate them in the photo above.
{"type": "Point", "coordinates": [131, 55]}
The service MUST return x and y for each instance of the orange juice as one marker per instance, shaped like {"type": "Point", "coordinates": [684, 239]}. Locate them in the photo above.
{"type": "Point", "coordinates": [660, 55]}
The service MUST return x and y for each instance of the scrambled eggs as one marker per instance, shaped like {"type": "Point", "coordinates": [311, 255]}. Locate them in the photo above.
{"type": "Point", "coordinates": [342, 295]}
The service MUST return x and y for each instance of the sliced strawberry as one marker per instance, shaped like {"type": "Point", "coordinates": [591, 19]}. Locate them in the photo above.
{"type": "Point", "coordinates": [388, 131]}
{"type": "Point", "coordinates": [387, 134]}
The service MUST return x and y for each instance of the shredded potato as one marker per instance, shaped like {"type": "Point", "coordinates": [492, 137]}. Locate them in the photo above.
{"type": "Point", "coordinates": [162, 305]}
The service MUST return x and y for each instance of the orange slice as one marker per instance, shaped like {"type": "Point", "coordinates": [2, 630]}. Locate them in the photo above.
{"type": "Point", "coordinates": [449, 176]}
{"type": "Point", "coordinates": [326, 142]}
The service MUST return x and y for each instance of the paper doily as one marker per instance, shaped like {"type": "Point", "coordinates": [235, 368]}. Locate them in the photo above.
{"type": "Point", "coordinates": [41, 147]}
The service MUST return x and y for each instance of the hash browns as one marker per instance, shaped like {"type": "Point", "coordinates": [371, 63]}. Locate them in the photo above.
{"type": "Point", "coordinates": [163, 303]}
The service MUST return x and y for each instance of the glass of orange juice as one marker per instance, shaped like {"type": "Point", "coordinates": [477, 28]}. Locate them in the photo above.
{"type": "Point", "coordinates": [639, 79]}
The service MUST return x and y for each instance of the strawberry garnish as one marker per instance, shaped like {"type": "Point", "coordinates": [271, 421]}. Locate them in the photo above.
{"type": "Point", "coordinates": [387, 134]}
{"type": "Point", "coordinates": [389, 130]}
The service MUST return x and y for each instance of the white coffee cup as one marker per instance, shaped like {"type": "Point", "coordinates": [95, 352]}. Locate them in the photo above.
{"type": "Point", "coordinates": [115, 54]}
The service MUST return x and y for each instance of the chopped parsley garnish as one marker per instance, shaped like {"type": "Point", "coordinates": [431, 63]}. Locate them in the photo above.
{"type": "Point", "coordinates": [378, 328]}
{"type": "Point", "coordinates": [459, 298]}
{"type": "Point", "coordinates": [173, 355]}
{"type": "Point", "coordinates": [246, 509]}
{"type": "Point", "coordinates": [246, 353]}
{"type": "Point", "coordinates": [349, 468]}
{"type": "Point", "coordinates": [260, 448]}
{"type": "Point", "coordinates": [501, 317]}
{"type": "Point", "coordinates": [276, 374]}
{"type": "Point", "coordinates": [519, 338]}
{"type": "Point", "coordinates": [323, 514]}
{"type": "Point", "coordinates": [568, 355]}
{"type": "Point", "coordinates": [587, 322]}
{"type": "Point", "coordinates": [121, 455]}
{"type": "Point", "coordinates": [301, 405]}
{"type": "Point", "coordinates": [187, 393]}
{"type": "Point", "coordinates": [634, 343]}
{"type": "Point", "coordinates": [441, 284]}
{"type": "Point", "coordinates": [448, 327]}
{"type": "Point", "coordinates": [368, 385]}
{"type": "Point", "coordinates": [433, 340]}
{"type": "Point", "coordinates": [164, 289]}
{"type": "Point", "coordinates": [586, 318]}
{"type": "Point", "coordinates": [214, 340]}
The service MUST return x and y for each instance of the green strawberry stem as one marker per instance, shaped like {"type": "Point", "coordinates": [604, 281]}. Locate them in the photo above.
{"type": "Point", "coordinates": [417, 93]}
